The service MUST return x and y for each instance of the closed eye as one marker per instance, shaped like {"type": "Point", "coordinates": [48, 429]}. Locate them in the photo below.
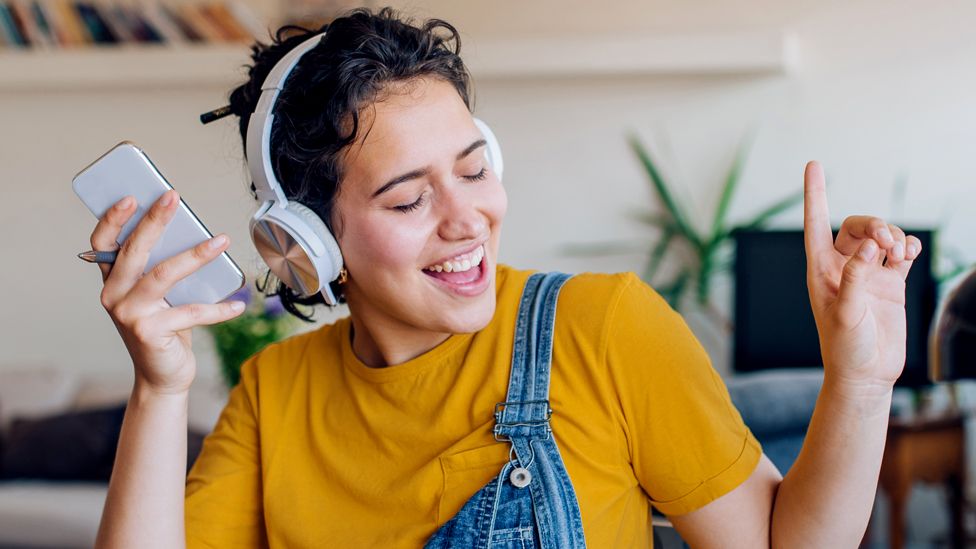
{"type": "Point", "coordinates": [478, 176]}
{"type": "Point", "coordinates": [406, 208]}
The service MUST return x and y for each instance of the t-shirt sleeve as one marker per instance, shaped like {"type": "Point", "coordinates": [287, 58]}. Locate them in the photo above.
{"type": "Point", "coordinates": [223, 504]}
{"type": "Point", "coordinates": [688, 443]}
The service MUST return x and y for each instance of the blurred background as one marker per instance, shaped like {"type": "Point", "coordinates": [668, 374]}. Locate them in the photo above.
{"type": "Point", "coordinates": [600, 107]}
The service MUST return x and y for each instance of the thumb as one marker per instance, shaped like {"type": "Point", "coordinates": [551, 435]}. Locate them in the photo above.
{"type": "Point", "coordinates": [853, 284]}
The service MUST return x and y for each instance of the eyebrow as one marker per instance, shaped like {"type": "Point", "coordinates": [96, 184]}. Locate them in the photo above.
{"type": "Point", "coordinates": [414, 174]}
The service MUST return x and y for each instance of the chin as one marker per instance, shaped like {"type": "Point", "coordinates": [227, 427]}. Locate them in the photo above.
{"type": "Point", "coordinates": [471, 319]}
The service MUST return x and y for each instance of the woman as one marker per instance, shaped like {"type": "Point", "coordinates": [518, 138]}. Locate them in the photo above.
{"type": "Point", "coordinates": [379, 430]}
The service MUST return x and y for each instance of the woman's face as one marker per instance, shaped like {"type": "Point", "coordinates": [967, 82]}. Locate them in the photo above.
{"type": "Point", "coordinates": [418, 199]}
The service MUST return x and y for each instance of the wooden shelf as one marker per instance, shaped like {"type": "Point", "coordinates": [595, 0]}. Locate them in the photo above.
{"type": "Point", "coordinates": [138, 67]}
{"type": "Point", "coordinates": [755, 52]}
{"type": "Point", "coordinates": [123, 67]}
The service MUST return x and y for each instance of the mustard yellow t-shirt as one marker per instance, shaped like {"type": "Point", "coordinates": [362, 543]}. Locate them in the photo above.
{"type": "Point", "coordinates": [316, 449]}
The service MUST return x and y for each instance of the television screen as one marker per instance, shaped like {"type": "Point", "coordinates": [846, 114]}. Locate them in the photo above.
{"type": "Point", "coordinates": [774, 325]}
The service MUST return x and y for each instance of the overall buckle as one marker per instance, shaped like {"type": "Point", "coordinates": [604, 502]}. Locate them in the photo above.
{"type": "Point", "coordinates": [504, 430]}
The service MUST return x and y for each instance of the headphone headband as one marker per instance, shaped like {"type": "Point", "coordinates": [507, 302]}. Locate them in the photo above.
{"type": "Point", "coordinates": [262, 120]}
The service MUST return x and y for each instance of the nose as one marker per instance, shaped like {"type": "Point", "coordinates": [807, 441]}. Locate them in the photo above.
{"type": "Point", "coordinates": [460, 216]}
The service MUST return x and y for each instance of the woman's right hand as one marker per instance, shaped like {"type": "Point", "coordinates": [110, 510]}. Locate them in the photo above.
{"type": "Point", "coordinates": [157, 336]}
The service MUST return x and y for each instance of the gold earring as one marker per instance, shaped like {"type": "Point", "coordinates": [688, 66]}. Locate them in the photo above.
{"type": "Point", "coordinates": [343, 276]}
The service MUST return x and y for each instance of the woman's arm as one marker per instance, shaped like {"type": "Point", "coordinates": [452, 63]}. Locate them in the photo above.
{"type": "Point", "coordinates": [857, 293]}
{"type": "Point", "coordinates": [144, 507]}
{"type": "Point", "coordinates": [826, 498]}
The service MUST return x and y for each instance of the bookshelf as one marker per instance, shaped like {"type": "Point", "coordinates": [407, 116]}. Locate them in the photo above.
{"type": "Point", "coordinates": [755, 52]}
{"type": "Point", "coordinates": [69, 45]}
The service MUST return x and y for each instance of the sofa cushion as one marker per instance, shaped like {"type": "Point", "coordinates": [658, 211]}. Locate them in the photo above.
{"type": "Point", "coordinates": [776, 402]}
{"type": "Point", "coordinates": [71, 446]}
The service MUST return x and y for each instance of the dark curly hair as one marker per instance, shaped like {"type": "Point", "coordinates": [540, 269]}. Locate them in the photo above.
{"type": "Point", "coordinates": [317, 114]}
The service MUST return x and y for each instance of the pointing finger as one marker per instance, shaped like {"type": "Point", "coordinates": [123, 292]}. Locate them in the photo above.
{"type": "Point", "coordinates": [817, 235]}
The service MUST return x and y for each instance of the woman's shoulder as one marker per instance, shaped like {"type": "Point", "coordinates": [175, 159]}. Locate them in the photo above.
{"type": "Point", "coordinates": [581, 287]}
{"type": "Point", "coordinates": [600, 286]}
{"type": "Point", "coordinates": [595, 293]}
{"type": "Point", "coordinates": [591, 299]}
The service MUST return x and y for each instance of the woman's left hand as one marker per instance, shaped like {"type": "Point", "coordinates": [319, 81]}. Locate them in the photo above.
{"type": "Point", "coordinates": [857, 290]}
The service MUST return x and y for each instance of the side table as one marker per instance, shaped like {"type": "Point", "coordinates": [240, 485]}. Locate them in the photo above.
{"type": "Point", "coordinates": [930, 450]}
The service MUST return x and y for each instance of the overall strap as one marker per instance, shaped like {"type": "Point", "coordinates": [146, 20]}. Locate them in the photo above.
{"type": "Point", "coordinates": [523, 418]}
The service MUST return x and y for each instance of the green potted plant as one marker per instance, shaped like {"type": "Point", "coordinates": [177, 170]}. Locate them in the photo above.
{"type": "Point", "coordinates": [709, 249]}
{"type": "Point", "coordinates": [263, 322]}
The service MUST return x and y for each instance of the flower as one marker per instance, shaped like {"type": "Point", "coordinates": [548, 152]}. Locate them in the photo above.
{"type": "Point", "coordinates": [273, 306]}
{"type": "Point", "coordinates": [243, 294]}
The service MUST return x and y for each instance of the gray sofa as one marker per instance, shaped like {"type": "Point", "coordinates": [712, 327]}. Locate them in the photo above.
{"type": "Point", "coordinates": [65, 514]}
{"type": "Point", "coordinates": [777, 406]}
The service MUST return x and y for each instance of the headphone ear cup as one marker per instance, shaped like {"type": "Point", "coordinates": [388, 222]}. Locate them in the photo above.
{"type": "Point", "coordinates": [322, 232]}
{"type": "Point", "coordinates": [298, 248]}
{"type": "Point", "coordinates": [493, 151]}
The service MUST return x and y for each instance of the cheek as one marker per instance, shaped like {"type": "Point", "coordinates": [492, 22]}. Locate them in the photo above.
{"type": "Point", "coordinates": [497, 203]}
{"type": "Point", "coordinates": [380, 241]}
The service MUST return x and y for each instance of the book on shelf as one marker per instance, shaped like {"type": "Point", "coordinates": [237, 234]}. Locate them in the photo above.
{"type": "Point", "coordinates": [56, 24]}
{"type": "Point", "coordinates": [8, 28]}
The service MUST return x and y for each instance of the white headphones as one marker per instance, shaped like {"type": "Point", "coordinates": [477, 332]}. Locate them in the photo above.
{"type": "Point", "coordinates": [292, 239]}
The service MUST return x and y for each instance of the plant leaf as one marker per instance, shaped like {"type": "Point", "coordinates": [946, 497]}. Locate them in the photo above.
{"type": "Point", "coordinates": [657, 254]}
{"type": "Point", "coordinates": [728, 190]}
{"type": "Point", "coordinates": [764, 216]}
{"type": "Point", "coordinates": [957, 270]}
{"type": "Point", "coordinates": [672, 292]}
{"type": "Point", "coordinates": [663, 192]}
{"type": "Point", "coordinates": [661, 221]}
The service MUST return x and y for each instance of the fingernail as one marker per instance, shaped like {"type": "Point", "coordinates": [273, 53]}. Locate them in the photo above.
{"type": "Point", "coordinates": [886, 235]}
{"type": "Point", "coordinates": [237, 306]}
{"type": "Point", "coordinates": [898, 250]}
{"type": "Point", "coordinates": [167, 199]}
{"type": "Point", "coordinates": [912, 250]}
{"type": "Point", "coordinates": [217, 241]}
{"type": "Point", "coordinates": [124, 203]}
{"type": "Point", "coordinates": [868, 250]}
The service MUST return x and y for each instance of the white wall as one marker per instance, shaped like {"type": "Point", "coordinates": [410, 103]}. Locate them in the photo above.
{"type": "Point", "coordinates": [884, 89]}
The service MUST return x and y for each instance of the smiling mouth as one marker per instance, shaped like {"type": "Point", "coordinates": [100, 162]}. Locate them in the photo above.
{"type": "Point", "coordinates": [460, 271]}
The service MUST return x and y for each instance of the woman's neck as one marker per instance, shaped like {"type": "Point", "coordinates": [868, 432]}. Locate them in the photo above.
{"type": "Point", "coordinates": [379, 344]}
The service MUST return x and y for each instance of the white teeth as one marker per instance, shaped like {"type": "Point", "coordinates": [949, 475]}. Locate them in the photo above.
{"type": "Point", "coordinates": [460, 263]}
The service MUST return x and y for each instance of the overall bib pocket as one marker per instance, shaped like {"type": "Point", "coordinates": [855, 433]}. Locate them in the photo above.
{"type": "Point", "coordinates": [465, 473]}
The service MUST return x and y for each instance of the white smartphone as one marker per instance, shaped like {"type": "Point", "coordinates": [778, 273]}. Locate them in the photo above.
{"type": "Point", "coordinates": [126, 170]}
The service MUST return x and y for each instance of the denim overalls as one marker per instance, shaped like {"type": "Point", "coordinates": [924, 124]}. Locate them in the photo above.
{"type": "Point", "coordinates": [531, 504]}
